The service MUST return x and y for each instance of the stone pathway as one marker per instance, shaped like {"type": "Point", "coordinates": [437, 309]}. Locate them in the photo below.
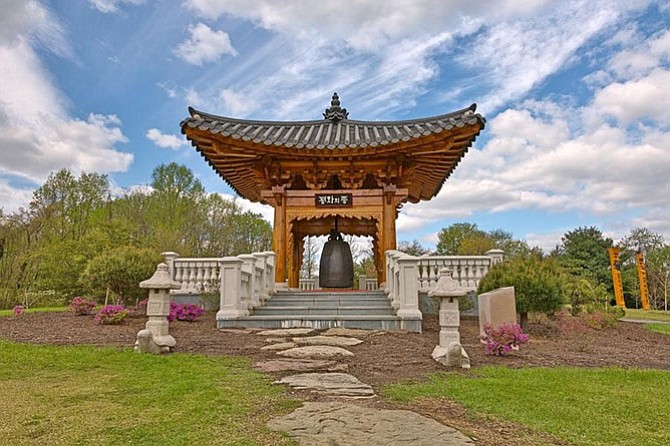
{"type": "Point", "coordinates": [330, 384]}
{"type": "Point", "coordinates": [315, 351]}
{"type": "Point", "coordinates": [341, 423]}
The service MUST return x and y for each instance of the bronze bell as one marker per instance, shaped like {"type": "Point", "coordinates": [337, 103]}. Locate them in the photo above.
{"type": "Point", "coordinates": [336, 269]}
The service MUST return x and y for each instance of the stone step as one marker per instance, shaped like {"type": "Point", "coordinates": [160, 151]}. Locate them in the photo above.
{"type": "Point", "coordinates": [283, 302]}
{"type": "Point", "coordinates": [331, 310]}
{"type": "Point", "coordinates": [318, 294]}
{"type": "Point", "coordinates": [375, 322]}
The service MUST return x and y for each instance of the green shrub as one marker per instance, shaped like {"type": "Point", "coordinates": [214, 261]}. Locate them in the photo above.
{"type": "Point", "coordinates": [121, 270]}
{"type": "Point", "coordinates": [537, 282]}
{"type": "Point", "coordinates": [585, 294]}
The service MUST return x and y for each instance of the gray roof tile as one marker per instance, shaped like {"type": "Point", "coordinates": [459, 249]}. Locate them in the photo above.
{"type": "Point", "coordinates": [328, 133]}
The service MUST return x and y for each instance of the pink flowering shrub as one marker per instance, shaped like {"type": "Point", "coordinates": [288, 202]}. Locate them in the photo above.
{"type": "Point", "coordinates": [18, 310]}
{"type": "Point", "coordinates": [500, 341]}
{"type": "Point", "coordinates": [81, 306]}
{"type": "Point", "coordinates": [111, 315]}
{"type": "Point", "coordinates": [185, 312]}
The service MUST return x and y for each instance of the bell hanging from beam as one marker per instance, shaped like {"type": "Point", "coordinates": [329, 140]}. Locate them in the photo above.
{"type": "Point", "coordinates": [336, 269]}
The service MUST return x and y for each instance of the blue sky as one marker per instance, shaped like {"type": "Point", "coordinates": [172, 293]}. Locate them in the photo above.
{"type": "Point", "coordinates": [576, 94]}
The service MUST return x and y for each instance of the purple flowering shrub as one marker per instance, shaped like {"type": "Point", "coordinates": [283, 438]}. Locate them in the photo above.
{"type": "Point", "coordinates": [18, 310]}
{"type": "Point", "coordinates": [502, 340]}
{"type": "Point", "coordinates": [81, 306]}
{"type": "Point", "coordinates": [185, 312]}
{"type": "Point", "coordinates": [111, 315]}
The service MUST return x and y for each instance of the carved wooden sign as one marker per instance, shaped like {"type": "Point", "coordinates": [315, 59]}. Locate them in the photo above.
{"type": "Point", "coordinates": [333, 200]}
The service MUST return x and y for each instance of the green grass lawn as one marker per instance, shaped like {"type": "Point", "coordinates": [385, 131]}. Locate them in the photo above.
{"type": "Point", "coordinates": [650, 315]}
{"type": "Point", "coordinates": [658, 328]}
{"type": "Point", "coordinates": [582, 406]}
{"type": "Point", "coordinates": [85, 395]}
{"type": "Point", "coordinates": [10, 312]}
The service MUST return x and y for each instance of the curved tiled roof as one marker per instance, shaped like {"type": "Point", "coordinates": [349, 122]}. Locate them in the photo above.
{"type": "Point", "coordinates": [417, 154]}
{"type": "Point", "coordinates": [329, 133]}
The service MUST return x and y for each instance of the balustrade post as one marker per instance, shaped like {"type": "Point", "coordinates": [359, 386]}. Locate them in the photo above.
{"type": "Point", "coordinates": [261, 262]}
{"type": "Point", "coordinates": [249, 266]}
{"type": "Point", "coordinates": [270, 273]}
{"type": "Point", "coordinates": [497, 256]}
{"type": "Point", "coordinates": [170, 257]}
{"type": "Point", "coordinates": [362, 282]}
{"type": "Point", "coordinates": [408, 293]}
{"type": "Point", "coordinates": [232, 306]}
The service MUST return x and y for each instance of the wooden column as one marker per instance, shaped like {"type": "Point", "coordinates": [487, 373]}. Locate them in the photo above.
{"type": "Point", "coordinates": [279, 234]}
{"type": "Point", "coordinates": [378, 257]}
{"type": "Point", "coordinates": [388, 237]}
{"type": "Point", "coordinates": [293, 250]}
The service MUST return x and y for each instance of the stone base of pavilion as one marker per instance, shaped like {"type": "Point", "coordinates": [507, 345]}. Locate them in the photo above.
{"type": "Point", "coordinates": [322, 310]}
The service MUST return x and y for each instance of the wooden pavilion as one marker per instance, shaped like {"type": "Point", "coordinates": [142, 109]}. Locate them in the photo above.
{"type": "Point", "coordinates": [312, 172]}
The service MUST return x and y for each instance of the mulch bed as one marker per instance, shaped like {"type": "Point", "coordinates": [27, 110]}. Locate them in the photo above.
{"type": "Point", "coordinates": [386, 358]}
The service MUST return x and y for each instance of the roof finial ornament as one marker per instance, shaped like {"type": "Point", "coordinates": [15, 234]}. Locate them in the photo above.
{"type": "Point", "coordinates": [335, 112]}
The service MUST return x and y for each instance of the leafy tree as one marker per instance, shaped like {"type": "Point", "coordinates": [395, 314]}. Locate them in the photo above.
{"type": "Point", "coordinates": [310, 266]}
{"type": "Point", "coordinates": [413, 248]}
{"type": "Point", "coordinates": [468, 239]}
{"type": "Point", "coordinates": [658, 275]}
{"type": "Point", "coordinates": [120, 271]}
{"type": "Point", "coordinates": [175, 208]}
{"type": "Point", "coordinates": [537, 282]}
{"type": "Point", "coordinates": [642, 239]}
{"type": "Point", "coordinates": [476, 244]}
{"type": "Point", "coordinates": [450, 238]}
{"type": "Point", "coordinates": [583, 252]}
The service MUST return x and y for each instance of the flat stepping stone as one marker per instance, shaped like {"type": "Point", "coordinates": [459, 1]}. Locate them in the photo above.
{"type": "Point", "coordinates": [349, 332]}
{"type": "Point", "coordinates": [280, 346]}
{"type": "Point", "coordinates": [315, 351]}
{"type": "Point", "coordinates": [297, 365]}
{"type": "Point", "coordinates": [286, 332]}
{"type": "Point", "coordinates": [277, 340]}
{"type": "Point", "coordinates": [342, 424]}
{"type": "Point", "coordinates": [336, 341]}
{"type": "Point", "coordinates": [331, 384]}
{"type": "Point", "coordinates": [239, 330]}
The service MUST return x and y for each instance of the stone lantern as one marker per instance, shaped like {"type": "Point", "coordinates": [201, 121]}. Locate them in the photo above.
{"type": "Point", "coordinates": [155, 338]}
{"type": "Point", "coordinates": [449, 351]}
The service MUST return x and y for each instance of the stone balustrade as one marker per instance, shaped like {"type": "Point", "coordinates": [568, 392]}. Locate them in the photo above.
{"type": "Point", "coordinates": [367, 283]}
{"type": "Point", "coordinates": [309, 284]}
{"type": "Point", "coordinates": [244, 282]}
{"type": "Point", "coordinates": [407, 275]}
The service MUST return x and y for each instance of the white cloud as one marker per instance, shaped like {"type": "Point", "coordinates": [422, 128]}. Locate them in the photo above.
{"type": "Point", "coordinates": [12, 198]}
{"type": "Point", "coordinates": [204, 45]}
{"type": "Point", "coordinates": [165, 140]}
{"type": "Point", "coordinates": [37, 135]}
{"type": "Point", "coordinates": [169, 89]}
{"type": "Point", "coordinates": [111, 6]}
{"type": "Point", "coordinates": [538, 163]}
{"type": "Point", "coordinates": [547, 241]}
{"type": "Point", "coordinates": [365, 24]}
{"type": "Point", "coordinates": [641, 56]}
{"type": "Point", "coordinates": [236, 104]}
{"type": "Point", "coordinates": [31, 22]}
{"type": "Point", "coordinates": [645, 98]}
{"type": "Point", "coordinates": [517, 55]}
